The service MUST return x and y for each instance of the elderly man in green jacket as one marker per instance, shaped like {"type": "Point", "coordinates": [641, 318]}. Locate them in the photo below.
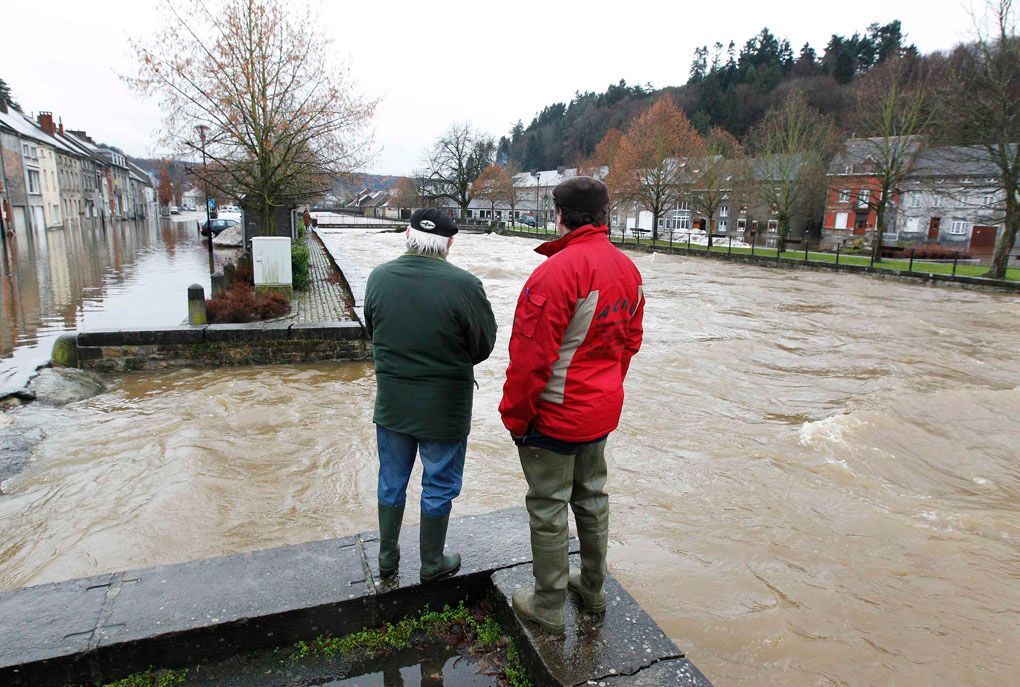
{"type": "Point", "coordinates": [430, 324]}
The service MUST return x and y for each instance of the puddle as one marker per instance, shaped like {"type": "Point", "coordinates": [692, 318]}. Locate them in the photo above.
{"type": "Point", "coordinates": [447, 668]}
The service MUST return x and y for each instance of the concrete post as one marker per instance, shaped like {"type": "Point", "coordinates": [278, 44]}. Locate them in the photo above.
{"type": "Point", "coordinates": [219, 284]}
{"type": "Point", "coordinates": [65, 351]}
{"type": "Point", "coordinates": [196, 305]}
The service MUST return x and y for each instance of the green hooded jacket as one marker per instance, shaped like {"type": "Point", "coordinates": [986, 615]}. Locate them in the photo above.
{"type": "Point", "coordinates": [430, 324]}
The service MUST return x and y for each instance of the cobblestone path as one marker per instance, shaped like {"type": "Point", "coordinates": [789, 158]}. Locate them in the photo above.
{"type": "Point", "coordinates": [323, 300]}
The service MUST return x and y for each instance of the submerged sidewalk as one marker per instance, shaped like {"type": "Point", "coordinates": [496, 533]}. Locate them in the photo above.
{"type": "Point", "coordinates": [325, 299]}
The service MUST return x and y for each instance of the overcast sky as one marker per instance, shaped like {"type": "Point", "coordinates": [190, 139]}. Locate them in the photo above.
{"type": "Point", "coordinates": [432, 63]}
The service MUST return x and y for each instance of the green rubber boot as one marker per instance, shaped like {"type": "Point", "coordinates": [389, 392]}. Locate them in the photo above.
{"type": "Point", "coordinates": [543, 604]}
{"type": "Point", "coordinates": [390, 518]}
{"type": "Point", "coordinates": [432, 540]}
{"type": "Point", "coordinates": [591, 513]}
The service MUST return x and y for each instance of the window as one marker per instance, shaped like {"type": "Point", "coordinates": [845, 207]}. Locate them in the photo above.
{"type": "Point", "coordinates": [913, 226]}
{"type": "Point", "coordinates": [722, 226]}
{"type": "Point", "coordinates": [863, 197]}
{"type": "Point", "coordinates": [841, 219]}
{"type": "Point", "coordinates": [989, 200]}
{"type": "Point", "coordinates": [773, 226]}
{"type": "Point", "coordinates": [683, 205]}
{"type": "Point", "coordinates": [958, 228]}
{"type": "Point", "coordinates": [937, 201]}
{"type": "Point", "coordinates": [724, 210]}
{"type": "Point", "coordinates": [844, 196]}
{"type": "Point", "coordinates": [915, 199]}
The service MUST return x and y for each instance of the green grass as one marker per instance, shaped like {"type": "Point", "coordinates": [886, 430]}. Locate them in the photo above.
{"type": "Point", "coordinates": [482, 631]}
{"type": "Point", "coordinates": [151, 678]}
{"type": "Point", "coordinates": [921, 266]}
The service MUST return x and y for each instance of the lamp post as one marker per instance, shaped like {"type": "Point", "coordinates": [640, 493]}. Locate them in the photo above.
{"type": "Point", "coordinates": [537, 176]}
{"type": "Point", "coordinates": [202, 129]}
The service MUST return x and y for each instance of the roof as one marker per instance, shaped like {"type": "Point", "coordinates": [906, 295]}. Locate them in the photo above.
{"type": "Point", "coordinates": [22, 125]}
{"type": "Point", "coordinates": [857, 151]}
{"type": "Point", "coordinates": [957, 161]}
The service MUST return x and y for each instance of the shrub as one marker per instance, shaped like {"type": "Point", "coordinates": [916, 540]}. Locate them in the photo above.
{"type": "Point", "coordinates": [240, 304]}
{"type": "Point", "coordinates": [935, 252]}
{"type": "Point", "coordinates": [299, 258]}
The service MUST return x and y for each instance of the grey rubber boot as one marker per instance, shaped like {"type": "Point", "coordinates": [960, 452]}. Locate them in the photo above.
{"type": "Point", "coordinates": [390, 518]}
{"type": "Point", "coordinates": [431, 541]}
{"type": "Point", "coordinates": [591, 513]}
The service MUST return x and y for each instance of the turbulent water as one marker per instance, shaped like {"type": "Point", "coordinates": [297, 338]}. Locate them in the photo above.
{"type": "Point", "coordinates": [815, 480]}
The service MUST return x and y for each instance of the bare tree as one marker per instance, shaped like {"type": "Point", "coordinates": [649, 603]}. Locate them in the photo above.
{"type": "Point", "coordinates": [892, 113]}
{"type": "Point", "coordinates": [711, 176]}
{"type": "Point", "coordinates": [278, 121]}
{"type": "Point", "coordinates": [405, 193]}
{"type": "Point", "coordinates": [515, 189]}
{"type": "Point", "coordinates": [491, 186]}
{"type": "Point", "coordinates": [455, 161]}
{"type": "Point", "coordinates": [979, 111]}
{"type": "Point", "coordinates": [792, 145]}
{"type": "Point", "coordinates": [649, 161]}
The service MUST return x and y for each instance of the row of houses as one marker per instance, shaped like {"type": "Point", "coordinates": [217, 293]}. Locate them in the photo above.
{"type": "Point", "coordinates": [52, 177]}
{"type": "Point", "coordinates": [948, 196]}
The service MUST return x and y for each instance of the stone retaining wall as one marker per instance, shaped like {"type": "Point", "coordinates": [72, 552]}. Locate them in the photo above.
{"type": "Point", "coordinates": [260, 343]}
{"type": "Point", "coordinates": [789, 263]}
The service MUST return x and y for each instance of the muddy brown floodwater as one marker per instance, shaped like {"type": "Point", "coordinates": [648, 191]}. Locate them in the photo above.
{"type": "Point", "coordinates": [815, 480]}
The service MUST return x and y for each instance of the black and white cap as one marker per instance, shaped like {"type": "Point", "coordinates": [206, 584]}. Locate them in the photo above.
{"type": "Point", "coordinates": [433, 221]}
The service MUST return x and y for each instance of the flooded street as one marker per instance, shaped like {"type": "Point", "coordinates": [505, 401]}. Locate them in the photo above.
{"type": "Point", "coordinates": [130, 273]}
{"type": "Point", "coordinates": [815, 480]}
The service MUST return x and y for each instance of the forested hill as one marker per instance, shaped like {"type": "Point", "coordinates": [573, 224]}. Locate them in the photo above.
{"type": "Point", "coordinates": [725, 87]}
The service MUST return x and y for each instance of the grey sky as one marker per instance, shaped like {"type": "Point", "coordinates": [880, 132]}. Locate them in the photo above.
{"type": "Point", "coordinates": [432, 63]}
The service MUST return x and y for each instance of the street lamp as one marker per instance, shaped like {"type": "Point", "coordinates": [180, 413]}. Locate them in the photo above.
{"type": "Point", "coordinates": [202, 129]}
{"type": "Point", "coordinates": [537, 176]}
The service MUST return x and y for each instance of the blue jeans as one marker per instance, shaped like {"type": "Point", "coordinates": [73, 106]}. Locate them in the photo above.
{"type": "Point", "coordinates": [442, 464]}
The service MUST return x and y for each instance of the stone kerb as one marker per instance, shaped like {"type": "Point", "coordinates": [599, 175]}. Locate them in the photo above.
{"type": "Point", "coordinates": [102, 628]}
{"type": "Point", "coordinates": [119, 350]}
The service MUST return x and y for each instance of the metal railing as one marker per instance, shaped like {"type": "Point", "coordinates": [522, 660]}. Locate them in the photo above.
{"type": "Point", "coordinates": [767, 247]}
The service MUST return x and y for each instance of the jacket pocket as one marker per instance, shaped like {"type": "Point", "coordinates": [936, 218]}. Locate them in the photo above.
{"type": "Point", "coordinates": [531, 313]}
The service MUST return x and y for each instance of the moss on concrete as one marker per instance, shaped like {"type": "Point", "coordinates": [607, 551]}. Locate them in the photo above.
{"type": "Point", "coordinates": [152, 678]}
{"type": "Point", "coordinates": [65, 351]}
{"type": "Point", "coordinates": [472, 629]}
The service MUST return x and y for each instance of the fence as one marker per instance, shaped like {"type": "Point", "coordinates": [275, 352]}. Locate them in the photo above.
{"type": "Point", "coordinates": [694, 243]}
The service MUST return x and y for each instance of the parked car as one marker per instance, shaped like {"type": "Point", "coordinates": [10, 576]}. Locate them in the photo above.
{"type": "Point", "coordinates": [189, 208]}
{"type": "Point", "coordinates": [174, 210]}
{"type": "Point", "coordinates": [218, 225]}
{"type": "Point", "coordinates": [527, 220]}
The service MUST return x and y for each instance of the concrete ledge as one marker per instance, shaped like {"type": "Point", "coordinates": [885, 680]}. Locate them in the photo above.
{"type": "Point", "coordinates": [102, 628]}
{"type": "Point", "coordinates": [280, 342]}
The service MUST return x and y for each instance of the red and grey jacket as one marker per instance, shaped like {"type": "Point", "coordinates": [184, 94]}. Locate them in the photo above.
{"type": "Point", "coordinates": [576, 327]}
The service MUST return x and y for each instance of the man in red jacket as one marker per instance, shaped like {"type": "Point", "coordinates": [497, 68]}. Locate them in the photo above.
{"type": "Point", "coordinates": [576, 327]}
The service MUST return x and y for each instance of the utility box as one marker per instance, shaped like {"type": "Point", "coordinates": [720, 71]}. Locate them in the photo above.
{"type": "Point", "coordinates": [271, 265]}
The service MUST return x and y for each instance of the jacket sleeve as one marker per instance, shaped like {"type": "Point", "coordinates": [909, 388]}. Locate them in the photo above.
{"type": "Point", "coordinates": [481, 329]}
{"type": "Point", "coordinates": [539, 323]}
{"type": "Point", "coordinates": [635, 331]}
{"type": "Point", "coordinates": [369, 300]}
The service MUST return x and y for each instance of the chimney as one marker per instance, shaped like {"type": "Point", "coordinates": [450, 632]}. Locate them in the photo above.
{"type": "Point", "coordinates": [46, 122]}
{"type": "Point", "coordinates": [3, 106]}
{"type": "Point", "coordinates": [60, 127]}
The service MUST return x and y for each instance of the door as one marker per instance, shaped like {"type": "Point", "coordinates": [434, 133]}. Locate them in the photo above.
{"type": "Point", "coordinates": [38, 218]}
{"type": "Point", "coordinates": [982, 239]}
{"type": "Point", "coordinates": [933, 228]}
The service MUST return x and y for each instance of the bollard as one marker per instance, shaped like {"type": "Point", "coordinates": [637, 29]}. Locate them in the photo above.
{"type": "Point", "coordinates": [228, 275]}
{"type": "Point", "coordinates": [219, 284]}
{"type": "Point", "coordinates": [196, 305]}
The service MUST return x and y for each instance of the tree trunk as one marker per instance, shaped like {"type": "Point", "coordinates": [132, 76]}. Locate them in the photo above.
{"type": "Point", "coordinates": [784, 232]}
{"type": "Point", "coordinates": [655, 225]}
{"type": "Point", "coordinates": [876, 245]}
{"type": "Point", "coordinates": [711, 229]}
{"type": "Point", "coordinates": [1004, 244]}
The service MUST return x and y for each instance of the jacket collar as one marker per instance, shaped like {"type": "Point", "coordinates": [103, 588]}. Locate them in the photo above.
{"type": "Point", "coordinates": [585, 233]}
